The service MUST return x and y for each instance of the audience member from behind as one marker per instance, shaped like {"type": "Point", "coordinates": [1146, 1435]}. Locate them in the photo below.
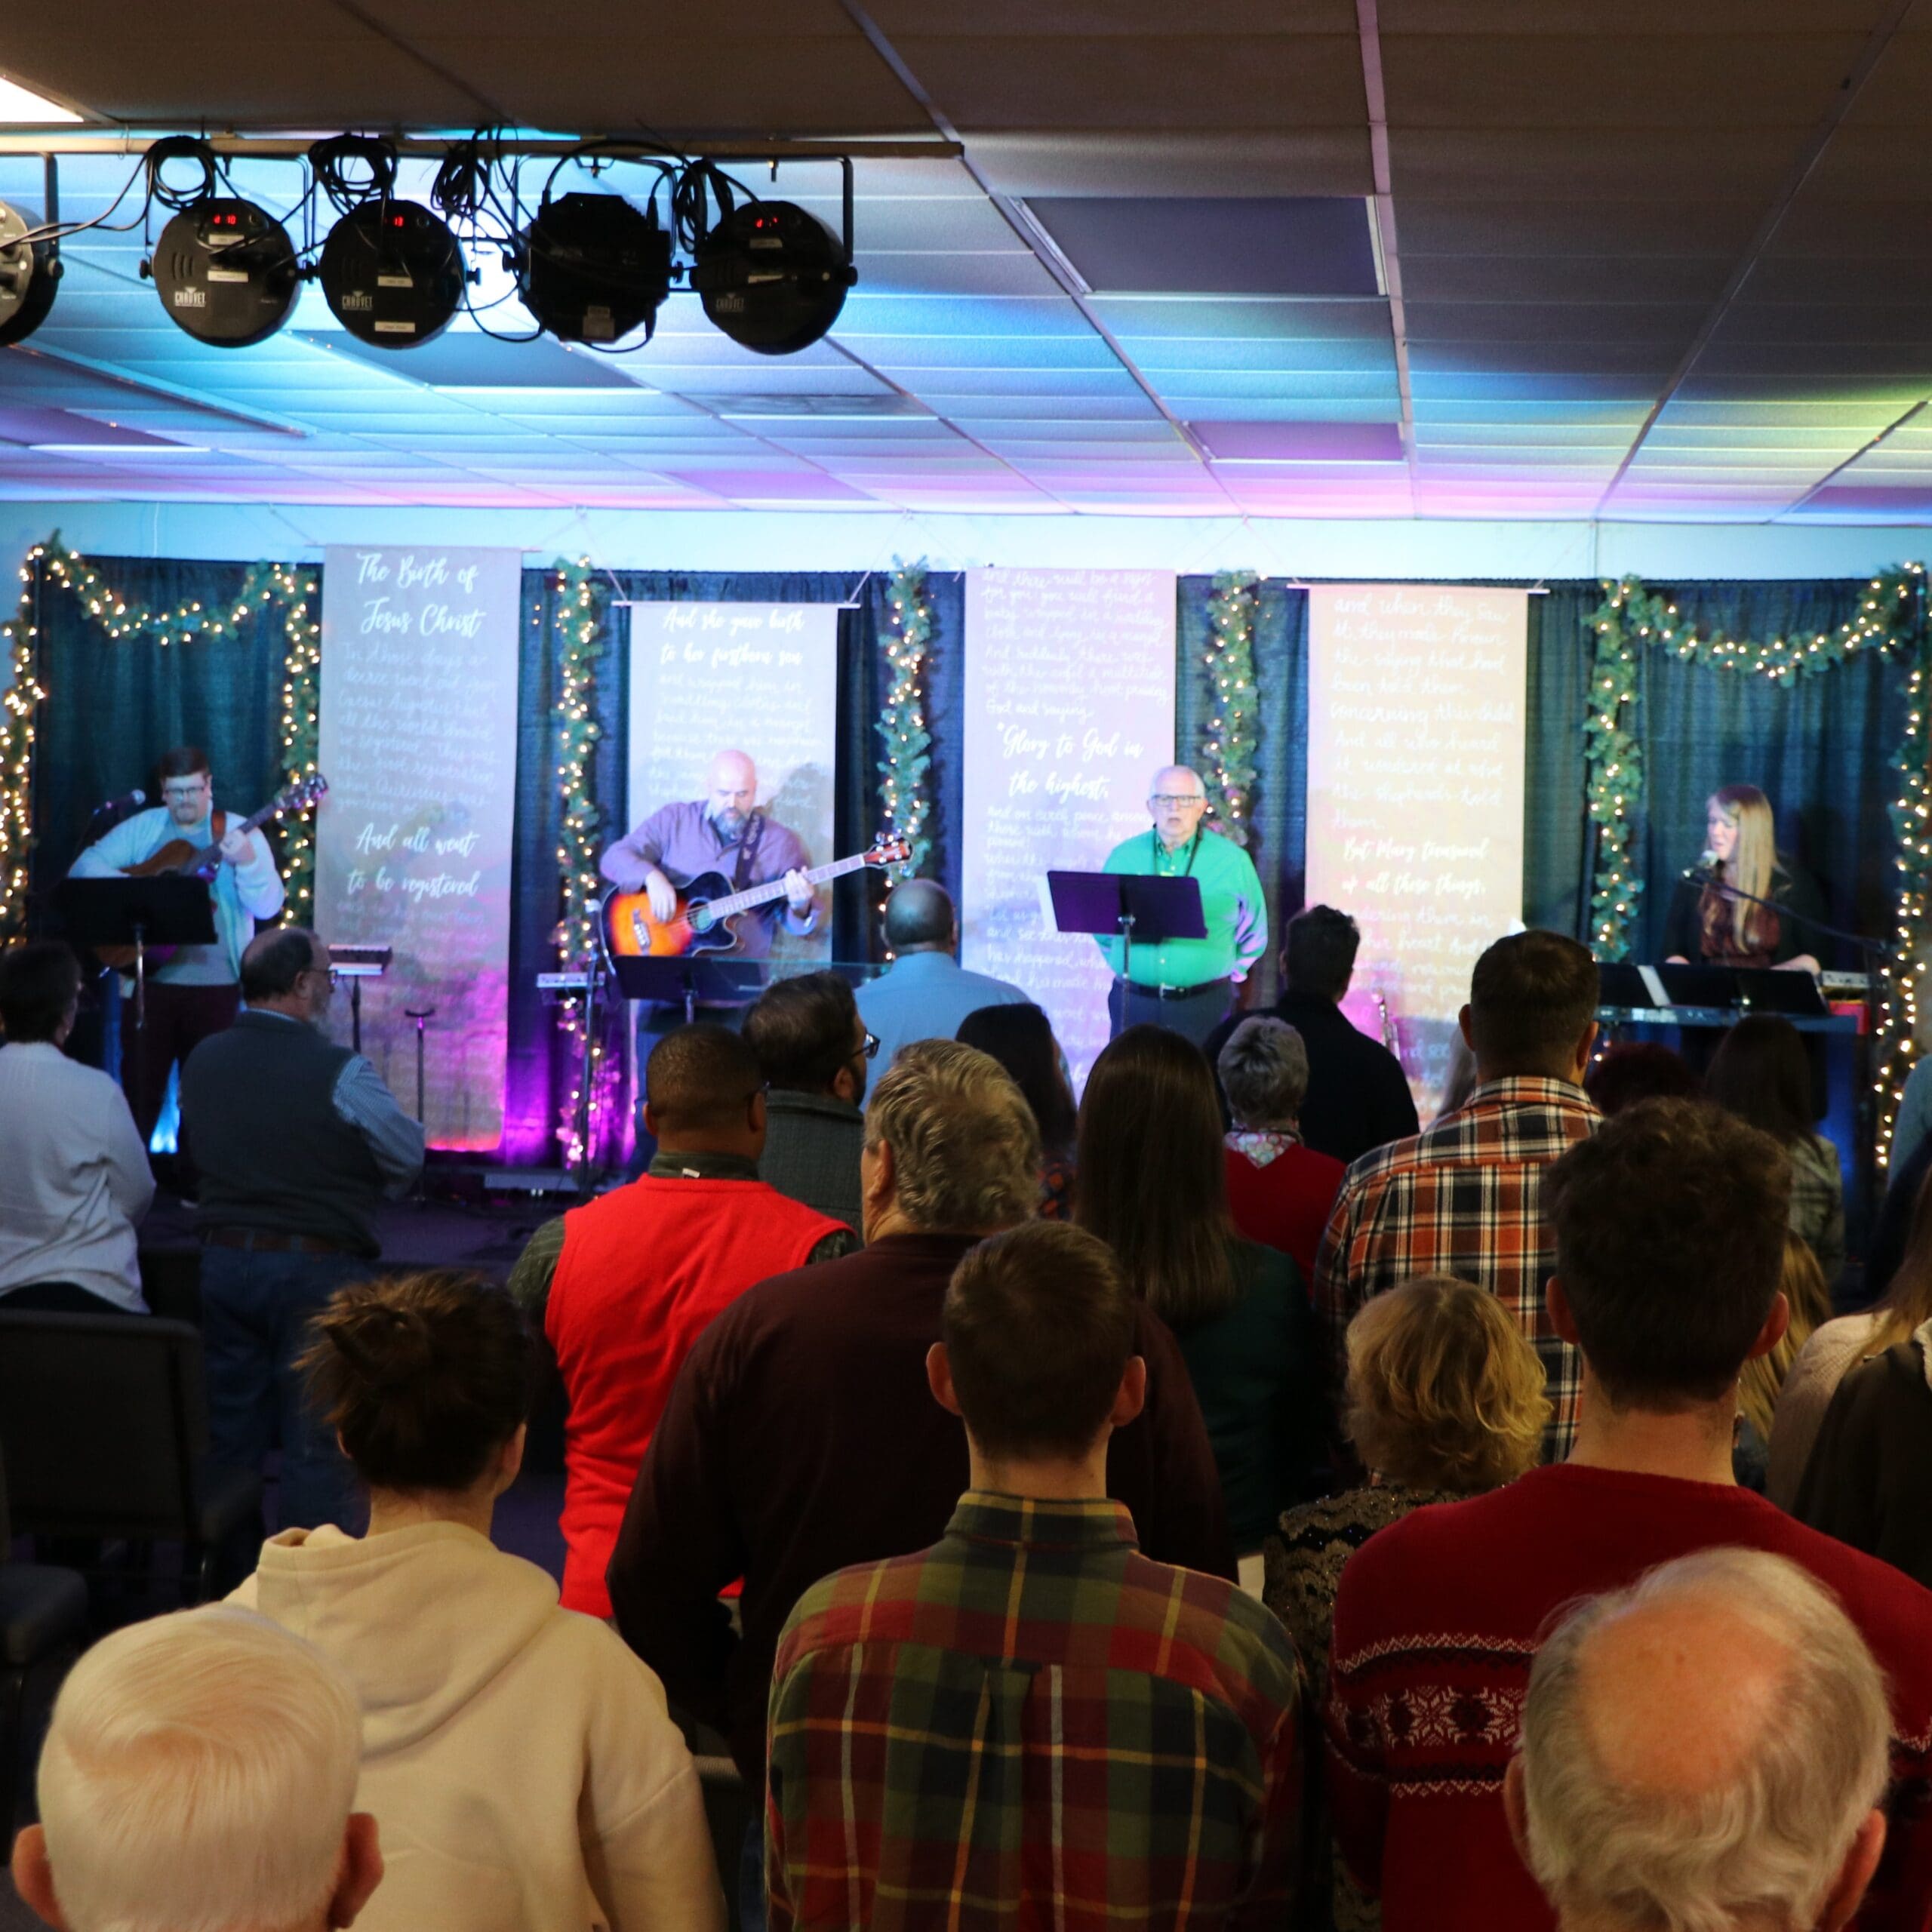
{"type": "Point", "coordinates": [801, 1436]}
{"type": "Point", "coordinates": [1152, 1184]}
{"type": "Point", "coordinates": [1669, 1226]}
{"type": "Point", "coordinates": [512, 1750]}
{"type": "Point", "coordinates": [1444, 1399]}
{"type": "Point", "coordinates": [925, 992]}
{"type": "Point", "coordinates": [74, 1176]}
{"type": "Point", "coordinates": [1281, 1191]}
{"type": "Point", "coordinates": [1761, 1072]}
{"type": "Point", "coordinates": [1868, 1479]}
{"type": "Point", "coordinates": [198, 1772]}
{"type": "Point", "coordinates": [1358, 1096]}
{"type": "Point", "coordinates": [814, 1050]}
{"type": "Point", "coordinates": [298, 1143]}
{"type": "Point", "coordinates": [1802, 1284]}
{"type": "Point", "coordinates": [1705, 1749]}
{"type": "Point", "coordinates": [622, 1287]}
{"type": "Point", "coordinates": [1838, 1346]}
{"type": "Point", "coordinates": [1021, 1038]}
{"type": "Point", "coordinates": [1634, 1070]}
{"type": "Point", "coordinates": [1465, 1197]}
{"type": "Point", "coordinates": [1036, 1604]}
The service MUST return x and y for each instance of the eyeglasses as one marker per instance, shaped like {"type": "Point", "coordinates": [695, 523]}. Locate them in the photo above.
{"type": "Point", "coordinates": [185, 793]}
{"type": "Point", "coordinates": [870, 1049]}
{"type": "Point", "coordinates": [335, 978]}
{"type": "Point", "coordinates": [1174, 798]}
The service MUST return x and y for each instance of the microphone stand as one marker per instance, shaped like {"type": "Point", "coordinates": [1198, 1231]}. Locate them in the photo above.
{"type": "Point", "coordinates": [1873, 948]}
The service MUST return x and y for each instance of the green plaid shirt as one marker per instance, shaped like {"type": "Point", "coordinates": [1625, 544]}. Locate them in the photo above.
{"type": "Point", "coordinates": [1032, 1725]}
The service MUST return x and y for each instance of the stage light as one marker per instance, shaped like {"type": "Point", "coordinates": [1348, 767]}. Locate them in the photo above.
{"type": "Point", "coordinates": [226, 271]}
{"type": "Point", "coordinates": [592, 268]}
{"type": "Point", "coordinates": [771, 276]}
{"type": "Point", "coordinates": [29, 272]}
{"type": "Point", "coordinates": [392, 273]}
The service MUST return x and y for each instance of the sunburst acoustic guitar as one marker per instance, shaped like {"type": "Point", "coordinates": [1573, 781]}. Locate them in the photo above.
{"type": "Point", "coordinates": [707, 910]}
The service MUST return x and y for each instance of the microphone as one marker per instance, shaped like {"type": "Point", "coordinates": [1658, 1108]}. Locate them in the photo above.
{"type": "Point", "coordinates": [1706, 860]}
{"type": "Point", "coordinates": [127, 801]}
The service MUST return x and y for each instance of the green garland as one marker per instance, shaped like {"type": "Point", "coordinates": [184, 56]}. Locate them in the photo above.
{"type": "Point", "coordinates": [1230, 737]}
{"type": "Point", "coordinates": [18, 705]}
{"type": "Point", "coordinates": [901, 725]}
{"type": "Point", "coordinates": [301, 709]}
{"type": "Point", "coordinates": [1890, 619]}
{"type": "Point", "coordinates": [583, 605]}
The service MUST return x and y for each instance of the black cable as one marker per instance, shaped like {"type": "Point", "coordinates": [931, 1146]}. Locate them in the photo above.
{"type": "Point", "coordinates": [333, 162]}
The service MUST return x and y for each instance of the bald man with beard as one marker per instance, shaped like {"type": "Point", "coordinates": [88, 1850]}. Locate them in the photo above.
{"type": "Point", "coordinates": [1187, 986]}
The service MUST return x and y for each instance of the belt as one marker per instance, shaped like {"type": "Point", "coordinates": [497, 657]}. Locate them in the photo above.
{"type": "Point", "coordinates": [1172, 993]}
{"type": "Point", "coordinates": [267, 1241]}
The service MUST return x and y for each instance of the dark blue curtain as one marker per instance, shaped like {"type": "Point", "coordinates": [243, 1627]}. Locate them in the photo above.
{"type": "Point", "coordinates": [1557, 849]}
{"type": "Point", "coordinates": [114, 705]}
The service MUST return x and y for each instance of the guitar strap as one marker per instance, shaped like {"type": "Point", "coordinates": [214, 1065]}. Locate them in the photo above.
{"type": "Point", "coordinates": [749, 840]}
{"type": "Point", "coordinates": [218, 824]}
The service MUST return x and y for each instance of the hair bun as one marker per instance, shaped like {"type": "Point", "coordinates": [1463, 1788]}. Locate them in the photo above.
{"type": "Point", "coordinates": [388, 1347]}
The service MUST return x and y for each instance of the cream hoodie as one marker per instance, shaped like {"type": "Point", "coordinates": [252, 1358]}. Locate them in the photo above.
{"type": "Point", "coordinates": [519, 1760]}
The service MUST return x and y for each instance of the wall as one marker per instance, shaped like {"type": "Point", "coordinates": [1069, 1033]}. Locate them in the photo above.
{"type": "Point", "coordinates": [1364, 551]}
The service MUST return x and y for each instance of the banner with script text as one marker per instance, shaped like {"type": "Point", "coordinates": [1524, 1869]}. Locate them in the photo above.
{"type": "Point", "coordinates": [1415, 792]}
{"type": "Point", "coordinates": [759, 678]}
{"type": "Point", "coordinates": [1069, 712]}
{"type": "Point", "coordinates": [418, 742]}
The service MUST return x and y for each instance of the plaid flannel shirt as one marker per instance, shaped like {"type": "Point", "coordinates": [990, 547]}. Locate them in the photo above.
{"type": "Point", "coordinates": [1462, 1197]}
{"type": "Point", "coordinates": [1029, 1725]}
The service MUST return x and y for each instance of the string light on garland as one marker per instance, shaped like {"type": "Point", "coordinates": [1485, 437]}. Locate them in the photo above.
{"type": "Point", "coordinates": [1903, 975]}
{"type": "Point", "coordinates": [18, 704]}
{"type": "Point", "coordinates": [583, 607]}
{"type": "Point", "coordinates": [907, 757]}
{"type": "Point", "coordinates": [1231, 735]}
{"type": "Point", "coordinates": [186, 623]}
{"type": "Point", "coordinates": [301, 706]}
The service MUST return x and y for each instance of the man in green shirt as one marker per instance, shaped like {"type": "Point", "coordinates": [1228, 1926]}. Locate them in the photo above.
{"type": "Point", "coordinates": [1187, 984]}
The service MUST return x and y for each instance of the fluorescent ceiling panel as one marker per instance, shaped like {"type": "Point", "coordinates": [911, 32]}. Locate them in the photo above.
{"type": "Point", "coordinates": [1301, 442]}
{"type": "Point", "coordinates": [466, 359]}
{"type": "Point", "coordinates": [1316, 244]}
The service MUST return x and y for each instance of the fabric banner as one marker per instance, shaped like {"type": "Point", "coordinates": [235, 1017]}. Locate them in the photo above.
{"type": "Point", "coordinates": [1415, 793]}
{"type": "Point", "coordinates": [417, 739]}
{"type": "Point", "coordinates": [1069, 712]}
{"type": "Point", "coordinates": [761, 679]}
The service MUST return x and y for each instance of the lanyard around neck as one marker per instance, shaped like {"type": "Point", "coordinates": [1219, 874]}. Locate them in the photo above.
{"type": "Point", "coordinates": [1193, 849]}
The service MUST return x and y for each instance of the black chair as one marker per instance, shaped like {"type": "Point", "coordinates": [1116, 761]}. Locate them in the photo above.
{"type": "Point", "coordinates": [43, 1612]}
{"type": "Point", "coordinates": [103, 1424]}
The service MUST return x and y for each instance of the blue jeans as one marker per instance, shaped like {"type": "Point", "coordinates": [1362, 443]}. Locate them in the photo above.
{"type": "Point", "coordinates": [752, 1913]}
{"type": "Point", "coordinates": [256, 1308]}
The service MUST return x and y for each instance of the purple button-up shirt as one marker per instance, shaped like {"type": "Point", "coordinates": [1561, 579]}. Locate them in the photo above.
{"type": "Point", "coordinates": [681, 841]}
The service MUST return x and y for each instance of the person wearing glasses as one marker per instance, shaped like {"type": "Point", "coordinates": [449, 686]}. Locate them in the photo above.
{"type": "Point", "coordinates": [1187, 986]}
{"type": "Point", "coordinates": [193, 992]}
{"type": "Point", "coordinates": [296, 1142]}
{"type": "Point", "coordinates": [816, 1052]}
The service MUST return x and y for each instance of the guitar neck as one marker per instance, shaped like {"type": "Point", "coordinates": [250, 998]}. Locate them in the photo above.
{"type": "Point", "coordinates": [208, 854]}
{"type": "Point", "coordinates": [763, 895]}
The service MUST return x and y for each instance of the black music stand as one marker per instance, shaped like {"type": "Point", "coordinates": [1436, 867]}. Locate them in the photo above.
{"type": "Point", "coordinates": [1135, 908]}
{"type": "Point", "coordinates": [690, 981]}
{"type": "Point", "coordinates": [166, 908]}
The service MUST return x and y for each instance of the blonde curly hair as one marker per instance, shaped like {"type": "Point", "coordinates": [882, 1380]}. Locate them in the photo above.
{"type": "Point", "coordinates": [1444, 1391]}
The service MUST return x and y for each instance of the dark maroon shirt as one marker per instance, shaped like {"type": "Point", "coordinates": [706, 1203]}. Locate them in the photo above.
{"type": "Point", "coordinates": [801, 1438]}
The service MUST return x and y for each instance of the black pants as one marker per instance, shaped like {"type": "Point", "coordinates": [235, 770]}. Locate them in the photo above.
{"type": "Point", "coordinates": [180, 1018]}
{"type": "Point", "coordinates": [1193, 1018]}
{"type": "Point", "coordinates": [60, 1298]}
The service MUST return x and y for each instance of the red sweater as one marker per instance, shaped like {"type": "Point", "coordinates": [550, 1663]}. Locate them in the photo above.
{"type": "Point", "coordinates": [1438, 1621]}
{"type": "Point", "coordinates": [1286, 1205]}
{"type": "Point", "coordinates": [642, 1272]}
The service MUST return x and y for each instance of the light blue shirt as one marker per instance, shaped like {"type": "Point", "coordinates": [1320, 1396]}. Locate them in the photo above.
{"type": "Point", "coordinates": [1915, 1120]}
{"type": "Point", "coordinates": [242, 895]}
{"type": "Point", "coordinates": [924, 996]}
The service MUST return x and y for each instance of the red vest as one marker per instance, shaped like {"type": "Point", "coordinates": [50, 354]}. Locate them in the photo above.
{"type": "Point", "coordinates": [643, 1272]}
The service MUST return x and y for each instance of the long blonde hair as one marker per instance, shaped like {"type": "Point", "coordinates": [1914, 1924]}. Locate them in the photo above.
{"type": "Point", "coordinates": [1802, 1283]}
{"type": "Point", "coordinates": [1733, 926]}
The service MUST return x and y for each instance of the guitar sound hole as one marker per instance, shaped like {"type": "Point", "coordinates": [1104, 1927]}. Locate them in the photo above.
{"type": "Point", "coordinates": [698, 917]}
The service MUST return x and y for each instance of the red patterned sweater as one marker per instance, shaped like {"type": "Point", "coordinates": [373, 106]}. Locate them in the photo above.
{"type": "Point", "coordinates": [1437, 1620]}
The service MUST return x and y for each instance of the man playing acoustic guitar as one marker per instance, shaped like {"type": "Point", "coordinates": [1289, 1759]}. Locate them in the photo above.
{"type": "Point", "coordinates": [196, 991]}
{"type": "Point", "coordinates": [722, 832]}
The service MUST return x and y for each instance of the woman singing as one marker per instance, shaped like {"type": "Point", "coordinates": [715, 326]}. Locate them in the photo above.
{"type": "Point", "coordinates": [1716, 921]}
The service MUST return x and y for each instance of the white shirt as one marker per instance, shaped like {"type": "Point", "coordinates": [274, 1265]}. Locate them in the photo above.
{"type": "Point", "coordinates": [74, 1177]}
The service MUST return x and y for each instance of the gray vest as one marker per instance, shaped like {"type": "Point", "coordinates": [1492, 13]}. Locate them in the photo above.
{"type": "Point", "coordinates": [258, 1120]}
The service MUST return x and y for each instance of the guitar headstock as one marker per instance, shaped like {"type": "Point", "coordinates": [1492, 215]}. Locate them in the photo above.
{"type": "Point", "coordinates": [890, 850]}
{"type": "Point", "coordinates": [303, 793]}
